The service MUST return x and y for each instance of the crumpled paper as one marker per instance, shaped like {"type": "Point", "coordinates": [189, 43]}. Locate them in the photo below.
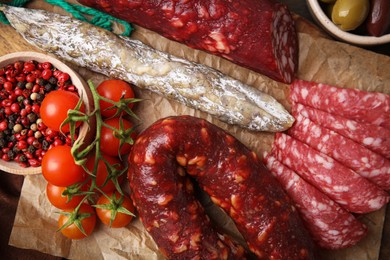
{"type": "Point", "coordinates": [320, 59]}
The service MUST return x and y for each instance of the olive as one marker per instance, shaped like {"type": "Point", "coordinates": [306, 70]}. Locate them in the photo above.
{"type": "Point", "coordinates": [328, 1]}
{"type": "Point", "coordinates": [349, 14]}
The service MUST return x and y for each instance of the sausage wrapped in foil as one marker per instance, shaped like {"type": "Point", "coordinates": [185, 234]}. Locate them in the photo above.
{"type": "Point", "coordinates": [195, 85]}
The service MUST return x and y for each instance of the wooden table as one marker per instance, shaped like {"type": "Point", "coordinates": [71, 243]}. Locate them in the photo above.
{"type": "Point", "coordinates": [10, 185]}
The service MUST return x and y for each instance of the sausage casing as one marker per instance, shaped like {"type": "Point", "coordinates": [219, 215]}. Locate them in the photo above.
{"type": "Point", "coordinates": [229, 172]}
{"type": "Point", "coordinates": [259, 35]}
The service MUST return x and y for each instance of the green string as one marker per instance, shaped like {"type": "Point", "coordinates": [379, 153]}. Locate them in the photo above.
{"type": "Point", "coordinates": [100, 19]}
{"type": "Point", "coordinates": [16, 3]}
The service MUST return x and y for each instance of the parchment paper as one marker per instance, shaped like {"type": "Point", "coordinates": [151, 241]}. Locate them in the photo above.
{"type": "Point", "coordinates": [320, 59]}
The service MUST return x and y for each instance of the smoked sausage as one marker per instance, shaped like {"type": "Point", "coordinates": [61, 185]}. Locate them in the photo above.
{"type": "Point", "coordinates": [259, 35]}
{"type": "Point", "coordinates": [234, 178]}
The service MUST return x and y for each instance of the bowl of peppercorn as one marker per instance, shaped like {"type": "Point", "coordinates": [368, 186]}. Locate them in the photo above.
{"type": "Point", "coordinates": [25, 80]}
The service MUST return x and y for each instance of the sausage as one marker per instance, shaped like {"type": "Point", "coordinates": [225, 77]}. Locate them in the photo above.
{"type": "Point", "coordinates": [331, 226]}
{"type": "Point", "coordinates": [352, 191]}
{"type": "Point", "coordinates": [354, 104]}
{"type": "Point", "coordinates": [378, 20]}
{"type": "Point", "coordinates": [192, 84]}
{"type": "Point", "coordinates": [230, 173]}
{"type": "Point", "coordinates": [375, 138]}
{"type": "Point", "coordinates": [259, 35]}
{"type": "Point", "coordinates": [363, 161]}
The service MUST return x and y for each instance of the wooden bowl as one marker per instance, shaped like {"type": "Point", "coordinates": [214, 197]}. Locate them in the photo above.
{"type": "Point", "coordinates": [86, 133]}
{"type": "Point", "coordinates": [323, 20]}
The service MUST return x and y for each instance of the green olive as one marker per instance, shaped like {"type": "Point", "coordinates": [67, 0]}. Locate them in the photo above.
{"type": "Point", "coordinates": [349, 14]}
{"type": "Point", "coordinates": [328, 1]}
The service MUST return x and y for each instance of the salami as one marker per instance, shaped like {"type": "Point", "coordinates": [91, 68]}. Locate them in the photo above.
{"type": "Point", "coordinates": [230, 173]}
{"type": "Point", "coordinates": [351, 154]}
{"type": "Point", "coordinates": [259, 35]}
{"type": "Point", "coordinates": [375, 138]}
{"type": "Point", "coordinates": [330, 225]}
{"type": "Point", "coordinates": [352, 191]}
{"type": "Point", "coordinates": [354, 104]}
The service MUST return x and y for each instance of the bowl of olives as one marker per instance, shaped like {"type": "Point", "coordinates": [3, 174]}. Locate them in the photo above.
{"type": "Point", "coordinates": [359, 22]}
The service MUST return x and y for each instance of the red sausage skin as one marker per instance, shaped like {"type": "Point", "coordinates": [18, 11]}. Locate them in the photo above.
{"type": "Point", "coordinates": [234, 178]}
{"type": "Point", "coordinates": [259, 35]}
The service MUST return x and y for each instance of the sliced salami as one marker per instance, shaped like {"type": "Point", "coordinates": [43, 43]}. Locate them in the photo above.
{"type": "Point", "coordinates": [330, 225]}
{"type": "Point", "coordinates": [361, 106]}
{"type": "Point", "coordinates": [375, 138]}
{"type": "Point", "coordinates": [352, 191]}
{"type": "Point", "coordinates": [365, 162]}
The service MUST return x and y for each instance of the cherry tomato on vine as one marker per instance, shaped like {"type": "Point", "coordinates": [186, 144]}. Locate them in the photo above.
{"type": "Point", "coordinates": [110, 211]}
{"type": "Point", "coordinates": [58, 200]}
{"type": "Point", "coordinates": [114, 89]}
{"type": "Point", "coordinates": [102, 172]}
{"type": "Point", "coordinates": [59, 168]}
{"type": "Point", "coordinates": [109, 143]}
{"type": "Point", "coordinates": [55, 106]}
{"type": "Point", "coordinates": [86, 216]}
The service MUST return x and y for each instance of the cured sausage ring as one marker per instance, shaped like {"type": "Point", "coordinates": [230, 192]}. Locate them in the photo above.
{"type": "Point", "coordinates": [235, 180]}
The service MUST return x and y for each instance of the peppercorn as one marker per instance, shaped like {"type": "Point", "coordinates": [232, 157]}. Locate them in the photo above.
{"type": "Point", "coordinates": [41, 81]}
{"type": "Point", "coordinates": [11, 125]}
{"type": "Point", "coordinates": [53, 80]}
{"type": "Point", "coordinates": [7, 132]}
{"type": "Point", "coordinates": [21, 84]}
{"type": "Point", "coordinates": [22, 158]}
{"type": "Point", "coordinates": [32, 117]}
{"type": "Point", "coordinates": [45, 145]}
{"type": "Point", "coordinates": [11, 154]}
{"type": "Point", "coordinates": [31, 149]}
{"type": "Point", "coordinates": [3, 143]}
{"type": "Point", "coordinates": [13, 117]}
{"type": "Point", "coordinates": [11, 138]}
{"type": "Point", "coordinates": [49, 87]}
{"type": "Point", "coordinates": [40, 97]}
{"type": "Point", "coordinates": [29, 85]}
{"type": "Point", "coordinates": [15, 149]}
{"type": "Point", "coordinates": [20, 99]}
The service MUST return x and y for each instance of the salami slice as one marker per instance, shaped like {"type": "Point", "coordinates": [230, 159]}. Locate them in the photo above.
{"type": "Point", "coordinates": [330, 225]}
{"type": "Point", "coordinates": [259, 35]}
{"type": "Point", "coordinates": [351, 154]}
{"type": "Point", "coordinates": [354, 104]}
{"type": "Point", "coordinates": [375, 138]}
{"type": "Point", "coordinates": [230, 173]}
{"type": "Point", "coordinates": [352, 191]}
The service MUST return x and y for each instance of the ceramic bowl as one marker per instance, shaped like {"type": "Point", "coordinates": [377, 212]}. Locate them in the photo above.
{"type": "Point", "coordinates": [85, 132]}
{"type": "Point", "coordinates": [326, 23]}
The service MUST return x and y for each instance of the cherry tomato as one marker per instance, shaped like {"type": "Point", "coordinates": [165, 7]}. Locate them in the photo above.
{"type": "Point", "coordinates": [111, 205]}
{"type": "Point", "coordinates": [58, 200]}
{"type": "Point", "coordinates": [59, 168]}
{"type": "Point", "coordinates": [55, 106]}
{"type": "Point", "coordinates": [87, 222]}
{"type": "Point", "coordinates": [113, 89]}
{"type": "Point", "coordinates": [102, 172]}
{"type": "Point", "coordinates": [109, 143]}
